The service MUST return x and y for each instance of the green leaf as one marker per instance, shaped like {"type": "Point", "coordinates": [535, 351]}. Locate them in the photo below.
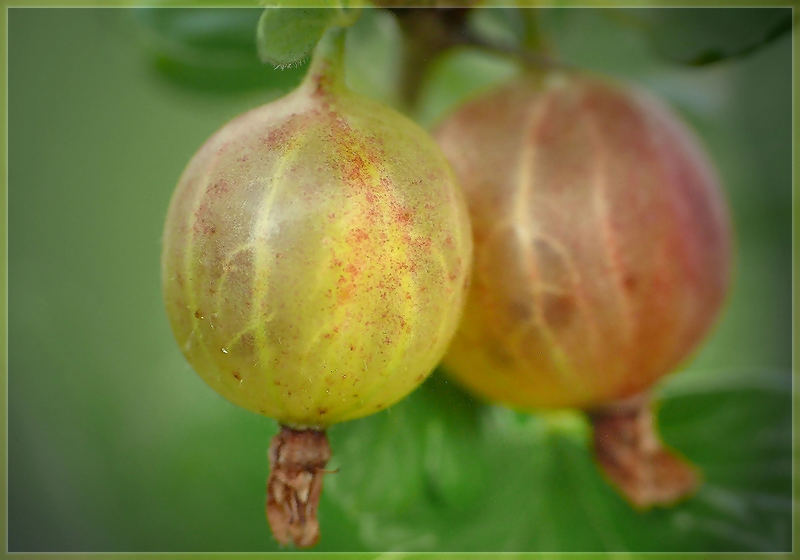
{"type": "Point", "coordinates": [500, 26]}
{"type": "Point", "coordinates": [441, 471]}
{"type": "Point", "coordinates": [286, 36]}
{"type": "Point", "coordinates": [457, 75]}
{"type": "Point", "coordinates": [697, 37]}
{"type": "Point", "coordinates": [374, 56]}
{"type": "Point", "coordinates": [209, 49]}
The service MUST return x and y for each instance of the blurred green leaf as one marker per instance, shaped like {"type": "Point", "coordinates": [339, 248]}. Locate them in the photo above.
{"type": "Point", "coordinates": [211, 49]}
{"type": "Point", "coordinates": [440, 471]}
{"type": "Point", "coordinates": [422, 445]}
{"type": "Point", "coordinates": [457, 75]}
{"type": "Point", "coordinates": [374, 56]}
{"type": "Point", "coordinates": [501, 26]}
{"type": "Point", "coordinates": [703, 36]}
{"type": "Point", "coordinates": [286, 36]}
{"type": "Point", "coordinates": [513, 28]}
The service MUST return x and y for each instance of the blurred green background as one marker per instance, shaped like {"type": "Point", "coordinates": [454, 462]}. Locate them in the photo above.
{"type": "Point", "coordinates": [115, 445]}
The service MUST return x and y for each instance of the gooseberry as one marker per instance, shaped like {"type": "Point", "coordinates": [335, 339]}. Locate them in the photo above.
{"type": "Point", "coordinates": [315, 261]}
{"type": "Point", "coordinates": [601, 259]}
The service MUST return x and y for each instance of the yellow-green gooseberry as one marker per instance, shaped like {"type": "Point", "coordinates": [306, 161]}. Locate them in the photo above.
{"type": "Point", "coordinates": [602, 246]}
{"type": "Point", "coordinates": [315, 261]}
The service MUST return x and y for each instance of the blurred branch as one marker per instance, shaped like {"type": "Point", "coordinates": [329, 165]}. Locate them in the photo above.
{"type": "Point", "coordinates": [431, 31]}
{"type": "Point", "coordinates": [428, 32]}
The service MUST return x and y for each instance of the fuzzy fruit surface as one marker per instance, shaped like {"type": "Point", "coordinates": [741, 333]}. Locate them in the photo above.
{"type": "Point", "coordinates": [601, 241]}
{"type": "Point", "coordinates": [316, 256]}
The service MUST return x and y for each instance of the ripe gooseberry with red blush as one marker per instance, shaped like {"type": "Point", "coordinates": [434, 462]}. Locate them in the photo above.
{"type": "Point", "coordinates": [602, 256]}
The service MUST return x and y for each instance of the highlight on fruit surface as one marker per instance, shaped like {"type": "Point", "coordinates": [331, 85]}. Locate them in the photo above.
{"type": "Point", "coordinates": [316, 257]}
{"type": "Point", "coordinates": [601, 259]}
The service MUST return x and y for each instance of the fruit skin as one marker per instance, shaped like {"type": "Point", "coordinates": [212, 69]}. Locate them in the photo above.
{"type": "Point", "coordinates": [601, 241]}
{"type": "Point", "coordinates": [316, 256]}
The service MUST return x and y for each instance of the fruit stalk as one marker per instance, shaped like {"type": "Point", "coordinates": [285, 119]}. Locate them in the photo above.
{"type": "Point", "coordinates": [326, 70]}
{"type": "Point", "coordinates": [631, 454]}
{"type": "Point", "coordinates": [297, 460]}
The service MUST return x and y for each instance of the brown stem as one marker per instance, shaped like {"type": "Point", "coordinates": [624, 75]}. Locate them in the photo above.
{"type": "Point", "coordinates": [428, 32]}
{"type": "Point", "coordinates": [631, 454]}
{"type": "Point", "coordinates": [297, 461]}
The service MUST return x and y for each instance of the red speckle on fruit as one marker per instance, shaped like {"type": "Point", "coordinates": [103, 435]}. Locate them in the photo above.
{"type": "Point", "coordinates": [278, 137]}
{"type": "Point", "coordinates": [219, 188]}
{"type": "Point", "coordinates": [357, 235]}
{"type": "Point", "coordinates": [403, 216]}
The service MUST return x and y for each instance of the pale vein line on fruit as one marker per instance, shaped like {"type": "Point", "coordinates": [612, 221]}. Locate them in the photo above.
{"type": "Point", "coordinates": [314, 340]}
{"type": "Point", "coordinates": [227, 268]}
{"type": "Point", "coordinates": [262, 267]}
{"type": "Point", "coordinates": [316, 390]}
{"type": "Point", "coordinates": [409, 309]}
{"type": "Point", "coordinates": [381, 378]}
{"type": "Point", "coordinates": [200, 196]}
{"type": "Point", "coordinates": [410, 281]}
{"type": "Point", "coordinates": [322, 356]}
{"type": "Point", "coordinates": [518, 331]}
{"type": "Point", "coordinates": [246, 329]}
{"type": "Point", "coordinates": [577, 291]}
{"type": "Point", "coordinates": [611, 250]}
{"type": "Point", "coordinates": [406, 307]}
{"type": "Point", "coordinates": [524, 233]}
{"type": "Point", "coordinates": [374, 172]}
{"type": "Point", "coordinates": [575, 284]}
